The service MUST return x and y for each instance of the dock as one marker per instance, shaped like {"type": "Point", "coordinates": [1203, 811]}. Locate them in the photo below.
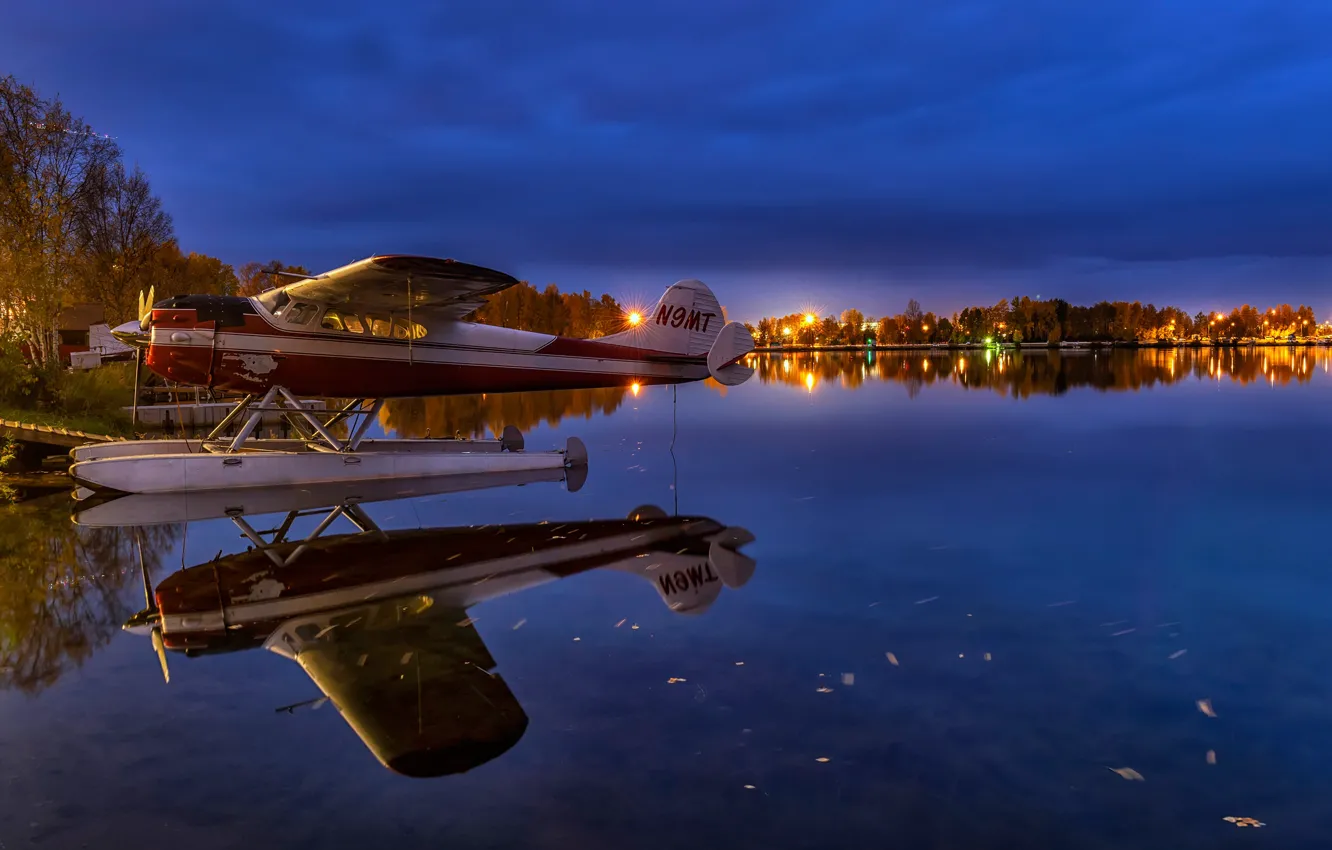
{"type": "Point", "coordinates": [203, 414]}
{"type": "Point", "coordinates": [51, 436]}
{"type": "Point", "coordinates": [37, 442]}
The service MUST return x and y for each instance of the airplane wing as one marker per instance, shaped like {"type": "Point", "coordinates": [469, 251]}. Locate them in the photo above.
{"type": "Point", "coordinates": [413, 680]}
{"type": "Point", "coordinates": [383, 283]}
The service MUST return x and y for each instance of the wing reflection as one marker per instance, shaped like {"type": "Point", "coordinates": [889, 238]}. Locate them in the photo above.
{"type": "Point", "coordinates": [380, 622]}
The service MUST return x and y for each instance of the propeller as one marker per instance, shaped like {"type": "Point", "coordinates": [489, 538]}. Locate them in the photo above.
{"type": "Point", "coordinates": [146, 307]}
{"type": "Point", "coordinates": [135, 332]}
{"type": "Point", "coordinates": [150, 618]}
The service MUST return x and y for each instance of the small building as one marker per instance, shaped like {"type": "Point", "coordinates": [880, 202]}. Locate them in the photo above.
{"type": "Point", "coordinates": [75, 324]}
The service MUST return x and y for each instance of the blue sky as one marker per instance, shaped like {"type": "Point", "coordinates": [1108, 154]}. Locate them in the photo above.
{"type": "Point", "coordinates": [840, 153]}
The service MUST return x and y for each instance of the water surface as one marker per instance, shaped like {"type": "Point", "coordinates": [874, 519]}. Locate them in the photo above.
{"type": "Point", "coordinates": [1063, 554]}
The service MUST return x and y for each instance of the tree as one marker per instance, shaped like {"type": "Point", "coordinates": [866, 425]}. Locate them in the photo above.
{"type": "Point", "coordinates": [53, 170]}
{"type": "Point", "coordinates": [255, 278]}
{"type": "Point", "coordinates": [192, 274]}
{"type": "Point", "coordinates": [853, 319]}
{"type": "Point", "coordinates": [913, 314]}
{"type": "Point", "coordinates": [122, 232]}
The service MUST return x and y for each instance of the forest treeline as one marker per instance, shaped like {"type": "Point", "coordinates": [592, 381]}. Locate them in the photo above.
{"type": "Point", "coordinates": [78, 225]}
{"type": "Point", "coordinates": [1023, 319]}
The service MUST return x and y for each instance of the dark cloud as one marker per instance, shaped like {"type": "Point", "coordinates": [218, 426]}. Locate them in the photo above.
{"type": "Point", "coordinates": [727, 135]}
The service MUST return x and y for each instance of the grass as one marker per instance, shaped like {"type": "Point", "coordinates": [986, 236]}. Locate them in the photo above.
{"type": "Point", "coordinates": [90, 400]}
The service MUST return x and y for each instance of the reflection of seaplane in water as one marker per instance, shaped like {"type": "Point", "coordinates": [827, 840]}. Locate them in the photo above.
{"type": "Point", "coordinates": [384, 327]}
{"type": "Point", "coordinates": [380, 622]}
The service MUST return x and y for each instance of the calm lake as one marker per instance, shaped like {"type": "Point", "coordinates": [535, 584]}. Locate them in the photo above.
{"type": "Point", "coordinates": [998, 600]}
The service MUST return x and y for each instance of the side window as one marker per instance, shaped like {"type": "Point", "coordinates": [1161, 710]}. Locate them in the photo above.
{"type": "Point", "coordinates": [379, 326]}
{"type": "Point", "coordinates": [335, 320]}
{"type": "Point", "coordinates": [300, 314]}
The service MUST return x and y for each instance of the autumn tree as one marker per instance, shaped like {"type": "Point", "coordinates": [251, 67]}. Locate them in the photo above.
{"type": "Point", "coordinates": [122, 231]}
{"type": "Point", "coordinates": [53, 170]}
{"type": "Point", "coordinates": [175, 273]}
{"type": "Point", "coordinates": [255, 278]}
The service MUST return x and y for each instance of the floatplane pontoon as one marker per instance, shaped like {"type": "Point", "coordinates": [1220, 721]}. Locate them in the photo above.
{"type": "Point", "coordinates": [380, 620]}
{"type": "Point", "coordinates": [384, 327]}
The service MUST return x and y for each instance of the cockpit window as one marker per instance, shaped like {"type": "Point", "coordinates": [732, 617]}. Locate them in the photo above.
{"type": "Point", "coordinates": [300, 314]}
{"type": "Point", "coordinates": [337, 320]}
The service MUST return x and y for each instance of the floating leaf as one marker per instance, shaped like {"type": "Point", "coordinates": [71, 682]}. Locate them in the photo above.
{"type": "Point", "coordinates": [923, 601]}
{"type": "Point", "coordinates": [1211, 756]}
{"type": "Point", "coordinates": [739, 664]}
{"type": "Point", "coordinates": [892, 659]}
{"type": "Point", "coordinates": [988, 657]}
{"type": "Point", "coordinates": [1177, 653]}
{"type": "Point", "coordinates": [1253, 822]}
{"type": "Point", "coordinates": [822, 759]}
{"type": "Point", "coordinates": [1122, 632]}
{"type": "Point", "coordinates": [824, 690]}
{"type": "Point", "coordinates": [749, 787]}
{"type": "Point", "coordinates": [1205, 706]}
{"type": "Point", "coordinates": [621, 623]}
{"type": "Point", "coordinates": [1127, 773]}
{"type": "Point", "coordinates": [674, 679]}
{"type": "Point", "coordinates": [518, 625]}
{"type": "Point", "coordinates": [848, 678]}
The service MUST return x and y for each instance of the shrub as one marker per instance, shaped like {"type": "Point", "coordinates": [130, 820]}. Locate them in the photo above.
{"type": "Point", "coordinates": [19, 386]}
{"type": "Point", "coordinates": [104, 391]}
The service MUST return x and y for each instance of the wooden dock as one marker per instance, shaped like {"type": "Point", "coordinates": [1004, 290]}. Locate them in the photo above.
{"type": "Point", "coordinates": [50, 436]}
{"type": "Point", "coordinates": [37, 442]}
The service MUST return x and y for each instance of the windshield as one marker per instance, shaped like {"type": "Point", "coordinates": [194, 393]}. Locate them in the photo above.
{"type": "Point", "coordinates": [273, 300]}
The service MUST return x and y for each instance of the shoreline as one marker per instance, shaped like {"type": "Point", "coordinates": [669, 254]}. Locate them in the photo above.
{"type": "Point", "coordinates": [1046, 346]}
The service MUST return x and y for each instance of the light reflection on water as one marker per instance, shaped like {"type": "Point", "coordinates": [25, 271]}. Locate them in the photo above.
{"type": "Point", "coordinates": [1059, 580]}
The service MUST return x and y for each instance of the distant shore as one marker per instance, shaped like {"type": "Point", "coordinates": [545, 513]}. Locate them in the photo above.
{"type": "Point", "coordinates": [1053, 346]}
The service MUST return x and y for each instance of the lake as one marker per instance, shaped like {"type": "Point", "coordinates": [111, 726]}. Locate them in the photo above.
{"type": "Point", "coordinates": [998, 600]}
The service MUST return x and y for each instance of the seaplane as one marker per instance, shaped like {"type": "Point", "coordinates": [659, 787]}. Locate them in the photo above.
{"type": "Point", "coordinates": [384, 327]}
{"type": "Point", "coordinates": [382, 621]}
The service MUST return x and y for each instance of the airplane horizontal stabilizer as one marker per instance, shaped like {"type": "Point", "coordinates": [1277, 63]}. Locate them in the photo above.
{"type": "Point", "coordinates": [731, 345]}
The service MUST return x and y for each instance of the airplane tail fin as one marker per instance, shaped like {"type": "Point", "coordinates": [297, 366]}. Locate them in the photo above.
{"type": "Point", "coordinates": [690, 580]}
{"type": "Point", "coordinates": [686, 321]}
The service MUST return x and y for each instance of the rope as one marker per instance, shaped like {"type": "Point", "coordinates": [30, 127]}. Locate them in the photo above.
{"type": "Point", "coordinates": [675, 468]}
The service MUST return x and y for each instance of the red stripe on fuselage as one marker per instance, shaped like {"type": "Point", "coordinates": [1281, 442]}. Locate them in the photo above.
{"type": "Point", "coordinates": [560, 363]}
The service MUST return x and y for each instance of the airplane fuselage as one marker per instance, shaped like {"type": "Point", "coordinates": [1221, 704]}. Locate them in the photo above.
{"type": "Point", "coordinates": [236, 344]}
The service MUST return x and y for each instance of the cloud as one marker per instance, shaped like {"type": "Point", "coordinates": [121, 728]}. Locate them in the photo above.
{"type": "Point", "coordinates": [744, 134]}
